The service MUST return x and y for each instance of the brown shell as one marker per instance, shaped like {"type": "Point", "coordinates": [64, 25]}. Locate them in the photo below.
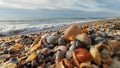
{"type": "Point", "coordinates": [83, 55]}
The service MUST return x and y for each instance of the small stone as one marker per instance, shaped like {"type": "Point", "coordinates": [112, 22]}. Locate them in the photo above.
{"type": "Point", "coordinates": [52, 39]}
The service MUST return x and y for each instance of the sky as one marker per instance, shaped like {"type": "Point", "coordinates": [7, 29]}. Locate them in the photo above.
{"type": "Point", "coordinates": [59, 8]}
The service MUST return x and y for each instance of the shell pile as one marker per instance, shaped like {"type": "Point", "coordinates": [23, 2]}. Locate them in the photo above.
{"type": "Point", "coordinates": [91, 45]}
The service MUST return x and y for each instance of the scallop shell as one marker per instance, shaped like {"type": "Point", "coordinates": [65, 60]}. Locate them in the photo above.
{"type": "Point", "coordinates": [83, 55]}
{"type": "Point", "coordinates": [85, 65]}
{"type": "Point", "coordinates": [96, 55]}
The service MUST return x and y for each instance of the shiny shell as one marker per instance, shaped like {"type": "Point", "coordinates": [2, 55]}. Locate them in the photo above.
{"type": "Point", "coordinates": [96, 55]}
{"type": "Point", "coordinates": [71, 32]}
{"type": "Point", "coordinates": [83, 55]}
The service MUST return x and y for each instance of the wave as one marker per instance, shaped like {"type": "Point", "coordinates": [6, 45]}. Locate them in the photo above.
{"type": "Point", "coordinates": [13, 29]}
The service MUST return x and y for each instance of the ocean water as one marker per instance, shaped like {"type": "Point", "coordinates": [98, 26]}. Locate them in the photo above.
{"type": "Point", "coordinates": [22, 26]}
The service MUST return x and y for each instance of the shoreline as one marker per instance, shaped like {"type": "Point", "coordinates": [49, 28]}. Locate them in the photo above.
{"type": "Point", "coordinates": [88, 43]}
{"type": "Point", "coordinates": [62, 27]}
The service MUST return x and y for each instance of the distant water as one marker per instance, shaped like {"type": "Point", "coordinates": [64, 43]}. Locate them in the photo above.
{"type": "Point", "coordinates": [22, 26]}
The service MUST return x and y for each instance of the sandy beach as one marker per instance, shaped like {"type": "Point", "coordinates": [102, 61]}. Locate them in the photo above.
{"type": "Point", "coordinates": [93, 44]}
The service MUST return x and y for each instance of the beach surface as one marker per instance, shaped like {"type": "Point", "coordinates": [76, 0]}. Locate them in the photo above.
{"type": "Point", "coordinates": [82, 45]}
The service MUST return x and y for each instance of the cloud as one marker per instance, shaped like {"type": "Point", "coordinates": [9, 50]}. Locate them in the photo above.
{"type": "Point", "coordinates": [84, 5]}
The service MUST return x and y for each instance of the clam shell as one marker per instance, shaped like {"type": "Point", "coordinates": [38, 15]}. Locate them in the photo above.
{"type": "Point", "coordinates": [84, 38]}
{"type": "Point", "coordinates": [72, 31]}
{"type": "Point", "coordinates": [96, 55]}
{"type": "Point", "coordinates": [82, 55]}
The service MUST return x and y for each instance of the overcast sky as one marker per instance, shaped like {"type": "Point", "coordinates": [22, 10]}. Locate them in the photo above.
{"type": "Point", "coordinates": [58, 8]}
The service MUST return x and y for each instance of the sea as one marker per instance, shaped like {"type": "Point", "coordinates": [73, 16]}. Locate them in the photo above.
{"type": "Point", "coordinates": [10, 27]}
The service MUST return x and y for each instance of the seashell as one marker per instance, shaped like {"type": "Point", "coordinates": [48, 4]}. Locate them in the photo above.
{"type": "Point", "coordinates": [79, 44]}
{"type": "Point", "coordinates": [84, 38]}
{"type": "Point", "coordinates": [96, 55]}
{"type": "Point", "coordinates": [36, 46]}
{"type": "Point", "coordinates": [85, 65]}
{"type": "Point", "coordinates": [72, 31]}
{"type": "Point", "coordinates": [67, 63]}
{"type": "Point", "coordinates": [75, 61]}
{"type": "Point", "coordinates": [106, 47]}
{"type": "Point", "coordinates": [83, 55]}
{"type": "Point", "coordinates": [9, 65]}
{"type": "Point", "coordinates": [31, 57]}
{"type": "Point", "coordinates": [12, 49]}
